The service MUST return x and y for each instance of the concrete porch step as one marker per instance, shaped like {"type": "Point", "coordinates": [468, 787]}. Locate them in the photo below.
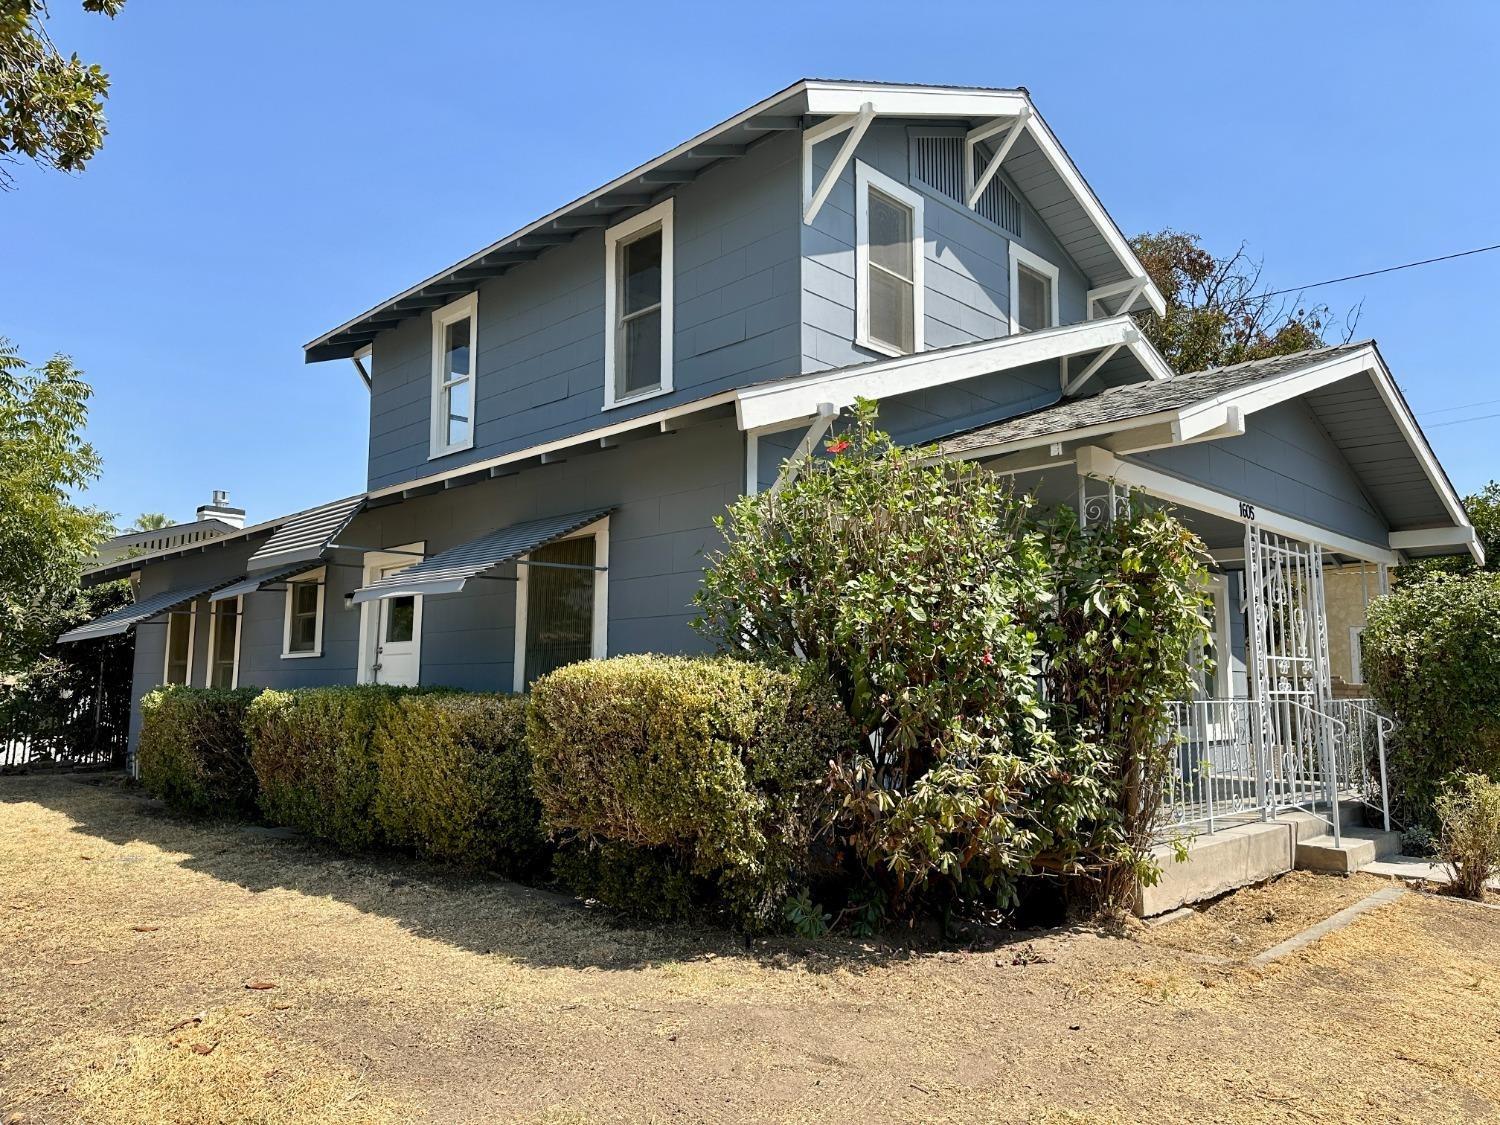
{"type": "Point", "coordinates": [1357, 849]}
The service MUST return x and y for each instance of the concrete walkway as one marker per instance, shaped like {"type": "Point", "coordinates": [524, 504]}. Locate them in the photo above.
{"type": "Point", "coordinates": [1416, 867]}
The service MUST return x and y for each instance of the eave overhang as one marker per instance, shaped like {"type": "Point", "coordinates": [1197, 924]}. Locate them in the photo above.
{"type": "Point", "coordinates": [1037, 162]}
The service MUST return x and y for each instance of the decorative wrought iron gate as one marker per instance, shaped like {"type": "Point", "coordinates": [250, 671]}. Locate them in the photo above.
{"type": "Point", "coordinates": [1287, 635]}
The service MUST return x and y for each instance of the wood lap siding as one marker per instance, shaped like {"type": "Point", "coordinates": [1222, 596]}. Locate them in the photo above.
{"type": "Point", "coordinates": [541, 326]}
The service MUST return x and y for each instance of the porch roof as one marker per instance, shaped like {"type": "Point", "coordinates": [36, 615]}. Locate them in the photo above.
{"type": "Point", "coordinates": [448, 571]}
{"type": "Point", "coordinates": [127, 617]}
{"type": "Point", "coordinates": [1348, 389]}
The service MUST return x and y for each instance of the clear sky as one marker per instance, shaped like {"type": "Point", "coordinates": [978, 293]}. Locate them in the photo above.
{"type": "Point", "coordinates": [274, 168]}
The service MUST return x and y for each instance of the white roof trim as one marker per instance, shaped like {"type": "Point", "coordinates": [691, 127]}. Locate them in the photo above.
{"type": "Point", "coordinates": [831, 98]}
{"type": "Point", "coordinates": [772, 403]}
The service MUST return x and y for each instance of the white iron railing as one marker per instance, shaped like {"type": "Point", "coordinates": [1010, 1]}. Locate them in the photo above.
{"type": "Point", "coordinates": [1234, 759]}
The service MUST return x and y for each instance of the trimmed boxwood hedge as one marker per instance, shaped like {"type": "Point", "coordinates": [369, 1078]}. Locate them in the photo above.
{"type": "Point", "coordinates": [713, 766]}
{"type": "Point", "coordinates": [314, 755]}
{"type": "Point", "coordinates": [193, 753]}
{"type": "Point", "coordinates": [455, 781]}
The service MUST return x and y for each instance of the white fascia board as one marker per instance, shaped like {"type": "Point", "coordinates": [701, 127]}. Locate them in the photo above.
{"type": "Point", "coordinates": [799, 398]}
{"type": "Point", "coordinates": [937, 102]}
{"type": "Point", "coordinates": [1104, 465]}
{"type": "Point", "coordinates": [1427, 538]}
{"type": "Point", "coordinates": [588, 437]}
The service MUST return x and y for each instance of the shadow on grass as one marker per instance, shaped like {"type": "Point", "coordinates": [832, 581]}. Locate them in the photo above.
{"type": "Point", "coordinates": [482, 914]}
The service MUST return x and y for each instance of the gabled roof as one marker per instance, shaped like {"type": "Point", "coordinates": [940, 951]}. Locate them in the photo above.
{"type": "Point", "coordinates": [1037, 163]}
{"type": "Point", "coordinates": [1348, 389]}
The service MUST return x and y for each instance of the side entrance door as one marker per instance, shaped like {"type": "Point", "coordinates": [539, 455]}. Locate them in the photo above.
{"type": "Point", "coordinates": [391, 629]}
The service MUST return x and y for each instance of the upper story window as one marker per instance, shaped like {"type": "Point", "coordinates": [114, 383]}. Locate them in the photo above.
{"type": "Point", "coordinates": [1033, 291]}
{"type": "Point", "coordinates": [638, 307]}
{"type": "Point", "coordinates": [887, 264]}
{"type": "Point", "coordinates": [454, 354]}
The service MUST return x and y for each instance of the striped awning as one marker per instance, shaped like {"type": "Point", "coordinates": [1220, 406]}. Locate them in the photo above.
{"type": "Point", "coordinates": [261, 579]}
{"type": "Point", "coordinates": [305, 536]}
{"type": "Point", "coordinates": [129, 616]}
{"type": "Point", "coordinates": [448, 571]}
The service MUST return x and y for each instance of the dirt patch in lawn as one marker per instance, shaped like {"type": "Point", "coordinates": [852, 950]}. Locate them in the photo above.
{"type": "Point", "coordinates": [133, 948]}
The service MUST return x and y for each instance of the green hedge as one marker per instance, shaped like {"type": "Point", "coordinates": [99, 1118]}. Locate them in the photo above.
{"type": "Point", "coordinates": [192, 751]}
{"type": "Point", "coordinates": [1431, 654]}
{"type": "Point", "coordinates": [314, 755]}
{"type": "Point", "coordinates": [715, 765]}
{"type": "Point", "coordinates": [455, 781]}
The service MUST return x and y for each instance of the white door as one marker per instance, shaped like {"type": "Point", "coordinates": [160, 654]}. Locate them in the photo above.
{"type": "Point", "coordinates": [398, 629]}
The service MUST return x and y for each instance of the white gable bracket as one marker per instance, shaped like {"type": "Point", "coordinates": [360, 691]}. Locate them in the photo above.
{"type": "Point", "coordinates": [827, 412]}
{"type": "Point", "coordinates": [855, 124]}
{"type": "Point", "coordinates": [1071, 386]}
{"type": "Point", "coordinates": [971, 142]}
{"type": "Point", "coordinates": [1129, 291]}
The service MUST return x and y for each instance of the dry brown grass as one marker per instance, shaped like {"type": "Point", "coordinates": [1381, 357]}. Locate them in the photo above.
{"type": "Point", "coordinates": [402, 994]}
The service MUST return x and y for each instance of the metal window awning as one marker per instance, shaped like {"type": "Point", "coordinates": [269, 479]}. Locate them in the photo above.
{"type": "Point", "coordinates": [448, 571]}
{"type": "Point", "coordinates": [261, 579]}
{"type": "Point", "coordinates": [127, 617]}
{"type": "Point", "coordinates": [305, 536]}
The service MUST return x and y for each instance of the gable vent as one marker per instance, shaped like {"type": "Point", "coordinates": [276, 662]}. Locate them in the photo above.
{"type": "Point", "coordinates": [938, 161]}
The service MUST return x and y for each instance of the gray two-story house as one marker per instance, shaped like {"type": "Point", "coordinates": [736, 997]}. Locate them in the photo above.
{"type": "Point", "coordinates": [556, 420]}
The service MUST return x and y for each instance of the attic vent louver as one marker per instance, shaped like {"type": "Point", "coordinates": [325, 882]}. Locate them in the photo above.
{"type": "Point", "coordinates": [937, 160]}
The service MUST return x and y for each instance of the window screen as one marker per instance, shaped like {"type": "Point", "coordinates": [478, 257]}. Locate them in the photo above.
{"type": "Point", "coordinates": [559, 606]}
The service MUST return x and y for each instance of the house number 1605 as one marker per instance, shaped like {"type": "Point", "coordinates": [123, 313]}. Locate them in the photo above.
{"type": "Point", "coordinates": [1247, 511]}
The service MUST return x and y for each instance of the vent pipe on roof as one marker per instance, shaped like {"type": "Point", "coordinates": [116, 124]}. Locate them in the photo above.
{"type": "Point", "coordinates": [218, 509]}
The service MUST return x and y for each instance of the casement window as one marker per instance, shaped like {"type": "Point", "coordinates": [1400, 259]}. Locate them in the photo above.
{"type": "Point", "coordinates": [224, 643]}
{"type": "Point", "coordinates": [302, 630]}
{"type": "Point", "coordinates": [455, 344]}
{"type": "Point", "coordinates": [182, 625]}
{"type": "Point", "coordinates": [638, 307]}
{"type": "Point", "coordinates": [887, 264]}
{"type": "Point", "coordinates": [562, 612]}
{"type": "Point", "coordinates": [1033, 291]}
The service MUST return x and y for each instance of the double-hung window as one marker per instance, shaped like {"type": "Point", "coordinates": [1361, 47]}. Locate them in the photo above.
{"type": "Point", "coordinates": [1033, 291]}
{"type": "Point", "coordinates": [224, 643]}
{"type": "Point", "coordinates": [887, 263]}
{"type": "Point", "coordinates": [177, 667]}
{"type": "Point", "coordinates": [302, 630]}
{"type": "Point", "coordinates": [561, 604]}
{"type": "Point", "coordinates": [454, 355]}
{"type": "Point", "coordinates": [638, 307]}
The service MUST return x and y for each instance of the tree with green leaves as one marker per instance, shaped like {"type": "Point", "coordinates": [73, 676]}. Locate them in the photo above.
{"type": "Point", "coordinates": [1218, 311]}
{"type": "Point", "coordinates": [51, 105]}
{"type": "Point", "coordinates": [151, 521]}
{"type": "Point", "coordinates": [46, 538]}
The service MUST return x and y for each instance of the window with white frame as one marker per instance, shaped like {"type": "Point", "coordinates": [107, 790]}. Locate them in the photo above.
{"type": "Point", "coordinates": [302, 630]}
{"type": "Point", "coordinates": [224, 643]}
{"type": "Point", "coordinates": [1033, 291]}
{"type": "Point", "coordinates": [638, 306]}
{"type": "Point", "coordinates": [887, 263]}
{"type": "Point", "coordinates": [177, 666]}
{"type": "Point", "coordinates": [562, 604]}
{"type": "Point", "coordinates": [455, 329]}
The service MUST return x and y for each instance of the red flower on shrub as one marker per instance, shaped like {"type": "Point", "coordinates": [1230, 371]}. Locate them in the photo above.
{"type": "Point", "coordinates": [838, 446]}
{"type": "Point", "coordinates": [988, 657]}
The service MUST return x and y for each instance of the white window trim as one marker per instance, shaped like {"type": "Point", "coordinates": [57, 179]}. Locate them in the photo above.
{"type": "Point", "coordinates": [1020, 256]}
{"type": "Point", "coordinates": [466, 306]}
{"type": "Point", "coordinates": [615, 237]}
{"type": "Point", "coordinates": [865, 178]}
{"type": "Point", "coordinates": [369, 612]}
{"type": "Point", "coordinates": [166, 656]}
{"type": "Point", "coordinates": [1356, 657]}
{"type": "Point", "coordinates": [213, 633]}
{"type": "Point", "coordinates": [1223, 657]}
{"type": "Point", "coordinates": [320, 576]}
{"type": "Point", "coordinates": [599, 648]}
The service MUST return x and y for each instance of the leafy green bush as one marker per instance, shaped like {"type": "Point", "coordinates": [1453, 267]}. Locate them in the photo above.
{"type": "Point", "coordinates": [650, 883]}
{"type": "Point", "coordinates": [939, 609]}
{"type": "Point", "coordinates": [315, 758]}
{"type": "Point", "coordinates": [1431, 654]}
{"type": "Point", "coordinates": [192, 752]}
{"type": "Point", "coordinates": [455, 781]}
{"type": "Point", "coordinates": [711, 767]}
{"type": "Point", "coordinates": [1468, 812]}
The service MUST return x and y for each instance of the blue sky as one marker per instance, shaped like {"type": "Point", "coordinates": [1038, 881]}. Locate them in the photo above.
{"type": "Point", "coordinates": [275, 168]}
